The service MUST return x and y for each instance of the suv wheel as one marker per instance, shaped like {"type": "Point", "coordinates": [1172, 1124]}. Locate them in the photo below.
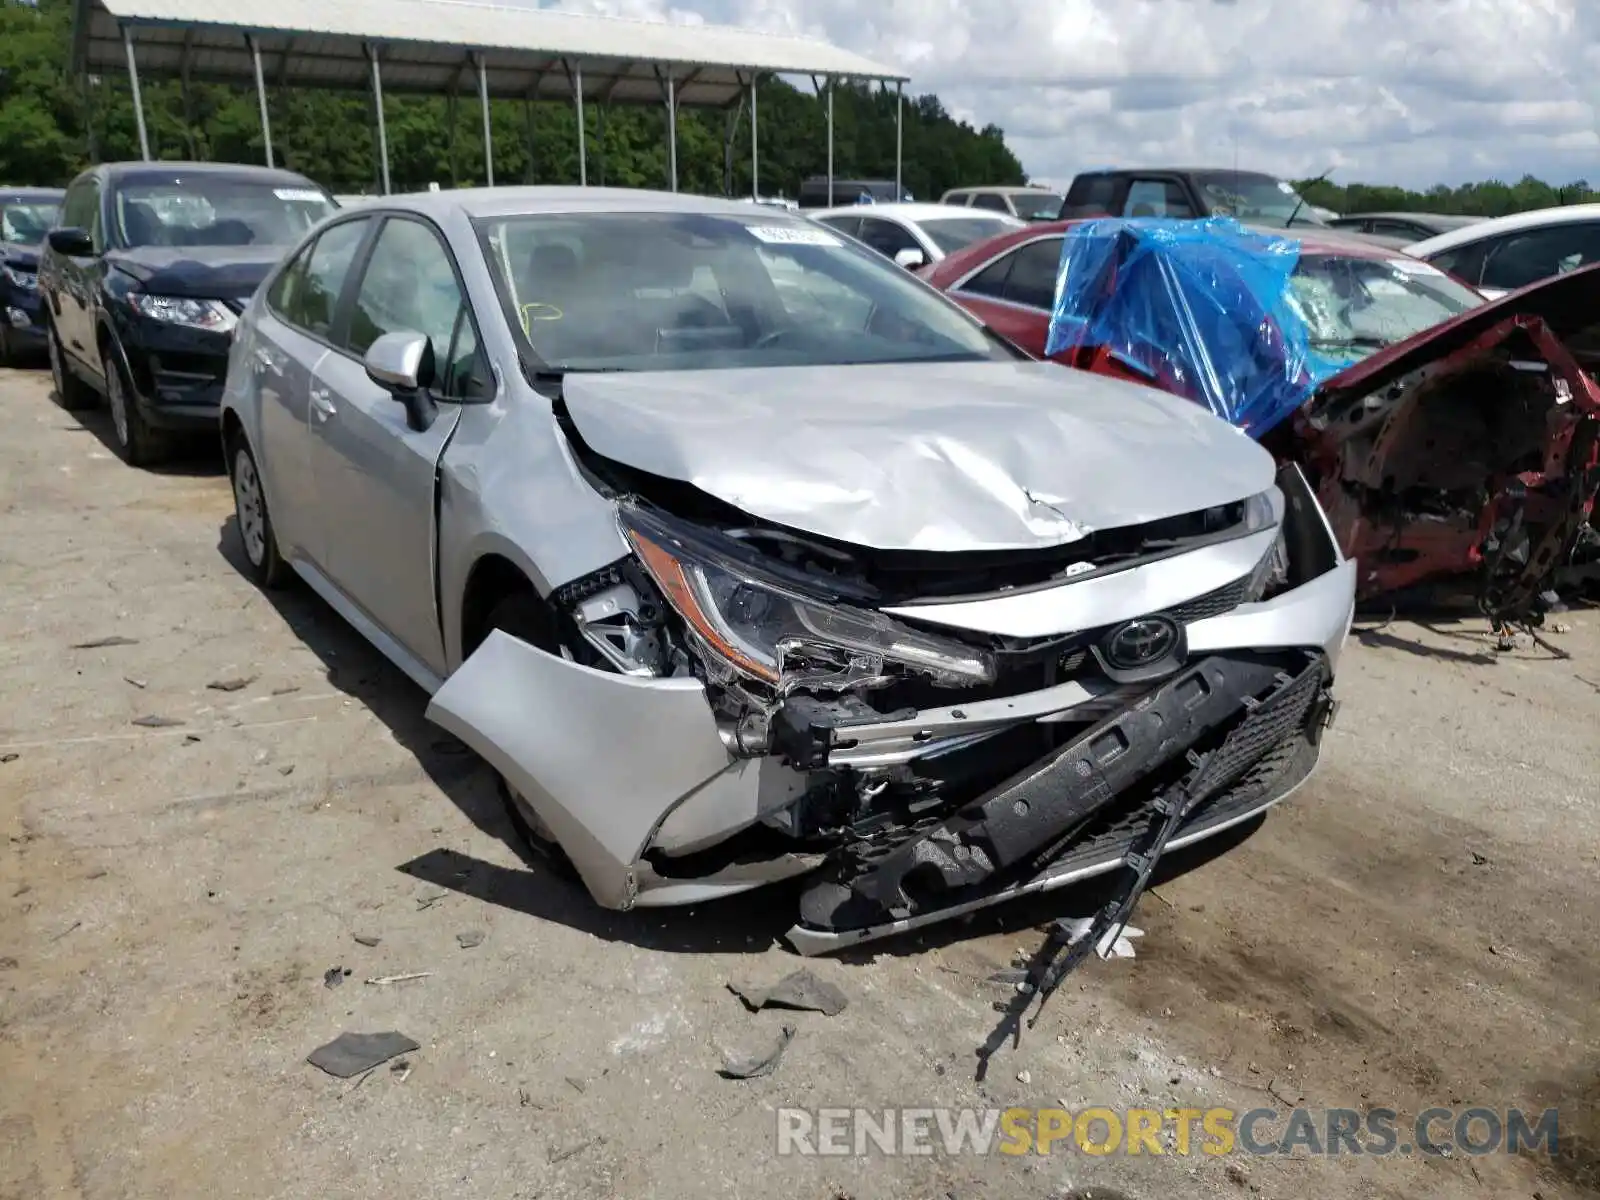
{"type": "Point", "coordinates": [71, 393]}
{"type": "Point", "coordinates": [137, 443]}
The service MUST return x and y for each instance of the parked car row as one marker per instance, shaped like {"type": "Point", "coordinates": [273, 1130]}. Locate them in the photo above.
{"type": "Point", "coordinates": [590, 466]}
{"type": "Point", "coordinates": [26, 215]}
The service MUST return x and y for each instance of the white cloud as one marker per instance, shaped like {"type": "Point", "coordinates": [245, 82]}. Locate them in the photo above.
{"type": "Point", "coordinates": [1404, 91]}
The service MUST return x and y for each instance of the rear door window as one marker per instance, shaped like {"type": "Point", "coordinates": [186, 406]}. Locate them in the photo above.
{"type": "Point", "coordinates": [1091, 195]}
{"type": "Point", "coordinates": [1464, 262]}
{"type": "Point", "coordinates": [993, 201]}
{"type": "Point", "coordinates": [849, 226]}
{"type": "Point", "coordinates": [1032, 282]}
{"type": "Point", "coordinates": [1156, 198]}
{"type": "Point", "coordinates": [1518, 259]}
{"type": "Point", "coordinates": [991, 281]}
{"type": "Point", "coordinates": [307, 294]}
{"type": "Point", "coordinates": [887, 237]}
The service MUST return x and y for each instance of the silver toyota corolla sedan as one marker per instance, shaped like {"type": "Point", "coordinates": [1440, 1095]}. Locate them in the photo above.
{"type": "Point", "coordinates": [740, 553]}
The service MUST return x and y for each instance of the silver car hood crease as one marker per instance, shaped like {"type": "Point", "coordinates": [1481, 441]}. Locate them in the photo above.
{"type": "Point", "coordinates": [924, 456]}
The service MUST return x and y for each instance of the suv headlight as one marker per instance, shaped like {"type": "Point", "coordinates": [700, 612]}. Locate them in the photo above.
{"type": "Point", "coordinates": [27, 281]}
{"type": "Point", "coordinates": [769, 630]}
{"type": "Point", "coordinates": [211, 315]}
{"type": "Point", "coordinates": [1263, 511]}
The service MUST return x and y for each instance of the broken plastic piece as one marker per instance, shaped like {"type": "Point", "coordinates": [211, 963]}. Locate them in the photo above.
{"type": "Point", "coordinates": [765, 1062]}
{"type": "Point", "coordinates": [799, 990]}
{"type": "Point", "coordinates": [352, 1053]}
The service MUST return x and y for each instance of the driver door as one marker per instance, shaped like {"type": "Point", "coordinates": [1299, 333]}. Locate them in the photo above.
{"type": "Point", "coordinates": [375, 475]}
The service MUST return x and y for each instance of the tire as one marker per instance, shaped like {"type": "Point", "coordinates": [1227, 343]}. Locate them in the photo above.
{"type": "Point", "coordinates": [70, 392]}
{"type": "Point", "coordinates": [136, 442]}
{"type": "Point", "coordinates": [265, 565]}
{"type": "Point", "coordinates": [523, 616]}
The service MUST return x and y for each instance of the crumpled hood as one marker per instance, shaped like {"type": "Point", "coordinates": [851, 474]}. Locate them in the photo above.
{"type": "Point", "coordinates": [199, 272]}
{"type": "Point", "coordinates": [926, 456]}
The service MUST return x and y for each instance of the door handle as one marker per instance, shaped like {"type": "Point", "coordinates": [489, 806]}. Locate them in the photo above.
{"type": "Point", "coordinates": [322, 403]}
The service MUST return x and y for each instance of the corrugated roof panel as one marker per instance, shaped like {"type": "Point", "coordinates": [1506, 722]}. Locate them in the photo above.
{"type": "Point", "coordinates": [449, 25]}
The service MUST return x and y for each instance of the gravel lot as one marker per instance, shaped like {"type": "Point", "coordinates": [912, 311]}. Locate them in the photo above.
{"type": "Point", "coordinates": [1416, 927]}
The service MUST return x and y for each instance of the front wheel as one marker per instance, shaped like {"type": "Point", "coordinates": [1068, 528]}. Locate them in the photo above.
{"type": "Point", "coordinates": [267, 567]}
{"type": "Point", "coordinates": [137, 443]}
{"type": "Point", "coordinates": [523, 616]}
{"type": "Point", "coordinates": [71, 393]}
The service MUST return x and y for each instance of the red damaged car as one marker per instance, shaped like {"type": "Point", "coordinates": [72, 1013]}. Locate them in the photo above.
{"type": "Point", "coordinates": [1447, 435]}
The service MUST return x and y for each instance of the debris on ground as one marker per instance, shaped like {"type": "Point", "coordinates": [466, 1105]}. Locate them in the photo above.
{"type": "Point", "coordinates": [191, 738]}
{"type": "Point", "coordinates": [430, 901]}
{"type": "Point", "coordinates": [10, 756]}
{"type": "Point", "coordinates": [8, 963]}
{"type": "Point", "coordinates": [388, 979]}
{"type": "Point", "coordinates": [1237, 1175]}
{"type": "Point", "coordinates": [286, 770]}
{"type": "Point", "coordinates": [737, 1065]}
{"type": "Point", "coordinates": [470, 939]}
{"type": "Point", "coordinates": [231, 685]}
{"type": "Point", "coordinates": [560, 1156]}
{"type": "Point", "coordinates": [157, 722]}
{"type": "Point", "coordinates": [1479, 860]}
{"type": "Point", "coordinates": [400, 1069]}
{"type": "Point", "coordinates": [352, 1053]}
{"type": "Point", "coordinates": [334, 976]}
{"type": "Point", "coordinates": [799, 990]}
{"type": "Point", "coordinates": [285, 691]}
{"type": "Point", "coordinates": [367, 939]}
{"type": "Point", "coordinates": [103, 643]}
{"type": "Point", "coordinates": [138, 683]}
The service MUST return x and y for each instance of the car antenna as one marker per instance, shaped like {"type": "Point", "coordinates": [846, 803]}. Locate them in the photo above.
{"type": "Point", "coordinates": [1296, 212]}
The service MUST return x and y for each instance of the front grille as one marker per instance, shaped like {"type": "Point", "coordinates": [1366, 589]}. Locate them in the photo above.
{"type": "Point", "coordinates": [1214, 603]}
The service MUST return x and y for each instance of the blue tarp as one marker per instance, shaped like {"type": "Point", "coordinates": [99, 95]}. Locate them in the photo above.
{"type": "Point", "coordinates": [1202, 308]}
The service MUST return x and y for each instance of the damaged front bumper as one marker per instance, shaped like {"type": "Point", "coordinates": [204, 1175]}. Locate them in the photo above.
{"type": "Point", "coordinates": [656, 800]}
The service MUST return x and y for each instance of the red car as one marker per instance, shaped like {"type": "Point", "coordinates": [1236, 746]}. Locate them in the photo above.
{"type": "Point", "coordinates": [1466, 441]}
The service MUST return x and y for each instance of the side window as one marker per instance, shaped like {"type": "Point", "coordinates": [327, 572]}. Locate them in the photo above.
{"type": "Point", "coordinates": [990, 201]}
{"type": "Point", "coordinates": [1033, 277]}
{"type": "Point", "coordinates": [1090, 195]}
{"type": "Point", "coordinates": [1156, 198]}
{"type": "Point", "coordinates": [1523, 258]}
{"type": "Point", "coordinates": [991, 281]}
{"type": "Point", "coordinates": [466, 376]}
{"type": "Point", "coordinates": [1398, 229]}
{"type": "Point", "coordinates": [961, 199]}
{"type": "Point", "coordinates": [1464, 262]}
{"type": "Point", "coordinates": [77, 208]}
{"type": "Point", "coordinates": [308, 295]}
{"type": "Point", "coordinates": [887, 238]}
{"type": "Point", "coordinates": [409, 286]}
{"type": "Point", "coordinates": [845, 225]}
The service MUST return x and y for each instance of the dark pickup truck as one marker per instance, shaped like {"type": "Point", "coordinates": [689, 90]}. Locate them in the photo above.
{"type": "Point", "coordinates": [1187, 192]}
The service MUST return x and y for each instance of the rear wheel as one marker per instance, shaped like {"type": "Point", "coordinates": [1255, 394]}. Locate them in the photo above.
{"type": "Point", "coordinates": [71, 393]}
{"type": "Point", "coordinates": [267, 567]}
{"type": "Point", "coordinates": [523, 616]}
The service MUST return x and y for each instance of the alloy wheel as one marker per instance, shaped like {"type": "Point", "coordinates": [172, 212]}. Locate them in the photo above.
{"type": "Point", "coordinates": [117, 401]}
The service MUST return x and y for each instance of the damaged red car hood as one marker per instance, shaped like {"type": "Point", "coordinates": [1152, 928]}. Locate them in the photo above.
{"type": "Point", "coordinates": [1566, 304]}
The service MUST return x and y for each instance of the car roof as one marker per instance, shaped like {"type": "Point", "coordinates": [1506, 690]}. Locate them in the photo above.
{"type": "Point", "coordinates": [911, 211]}
{"type": "Point", "coordinates": [533, 200]}
{"type": "Point", "coordinates": [1397, 215]}
{"type": "Point", "coordinates": [162, 169]}
{"type": "Point", "coordinates": [1532, 219]}
{"type": "Point", "coordinates": [21, 195]}
{"type": "Point", "coordinates": [1164, 170]}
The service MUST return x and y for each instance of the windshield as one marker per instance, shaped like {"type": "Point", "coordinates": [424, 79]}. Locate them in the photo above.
{"type": "Point", "coordinates": [1037, 206]}
{"type": "Point", "coordinates": [27, 223]}
{"type": "Point", "coordinates": [217, 210]}
{"type": "Point", "coordinates": [1358, 305]}
{"type": "Point", "coordinates": [955, 233]}
{"type": "Point", "coordinates": [680, 291]}
{"type": "Point", "coordinates": [1250, 196]}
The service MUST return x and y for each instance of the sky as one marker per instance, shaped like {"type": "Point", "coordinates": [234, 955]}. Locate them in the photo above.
{"type": "Point", "coordinates": [1409, 92]}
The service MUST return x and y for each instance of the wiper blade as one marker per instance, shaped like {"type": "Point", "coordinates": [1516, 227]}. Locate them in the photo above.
{"type": "Point", "coordinates": [1370, 343]}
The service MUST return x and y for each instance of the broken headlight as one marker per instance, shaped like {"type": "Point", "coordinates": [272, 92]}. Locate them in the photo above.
{"type": "Point", "coordinates": [766, 628]}
{"type": "Point", "coordinates": [1262, 511]}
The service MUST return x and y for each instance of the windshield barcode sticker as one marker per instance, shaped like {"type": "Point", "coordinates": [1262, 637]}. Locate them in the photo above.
{"type": "Point", "coordinates": [306, 195]}
{"type": "Point", "coordinates": [793, 235]}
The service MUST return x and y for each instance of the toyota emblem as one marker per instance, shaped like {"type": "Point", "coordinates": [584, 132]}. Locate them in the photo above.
{"type": "Point", "coordinates": [1141, 642]}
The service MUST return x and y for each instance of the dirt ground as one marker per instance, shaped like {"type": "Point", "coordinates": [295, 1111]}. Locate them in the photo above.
{"type": "Point", "coordinates": [1416, 927]}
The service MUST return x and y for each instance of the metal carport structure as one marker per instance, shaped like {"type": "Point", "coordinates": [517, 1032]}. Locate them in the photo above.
{"type": "Point", "coordinates": [515, 53]}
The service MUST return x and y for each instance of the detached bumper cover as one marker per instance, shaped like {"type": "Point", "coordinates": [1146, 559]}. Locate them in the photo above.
{"type": "Point", "coordinates": [1019, 828]}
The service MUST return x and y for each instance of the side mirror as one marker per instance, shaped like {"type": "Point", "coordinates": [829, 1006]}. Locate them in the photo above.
{"type": "Point", "coordinates": [402, 364]}
{"type": "Point", "coordinates": [910, 258]}
{"type": "Point", "coordinates": [71, 242]}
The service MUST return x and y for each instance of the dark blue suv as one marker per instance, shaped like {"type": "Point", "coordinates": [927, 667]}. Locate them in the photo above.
{"type": "Point", "coordinates": [26, 215]}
